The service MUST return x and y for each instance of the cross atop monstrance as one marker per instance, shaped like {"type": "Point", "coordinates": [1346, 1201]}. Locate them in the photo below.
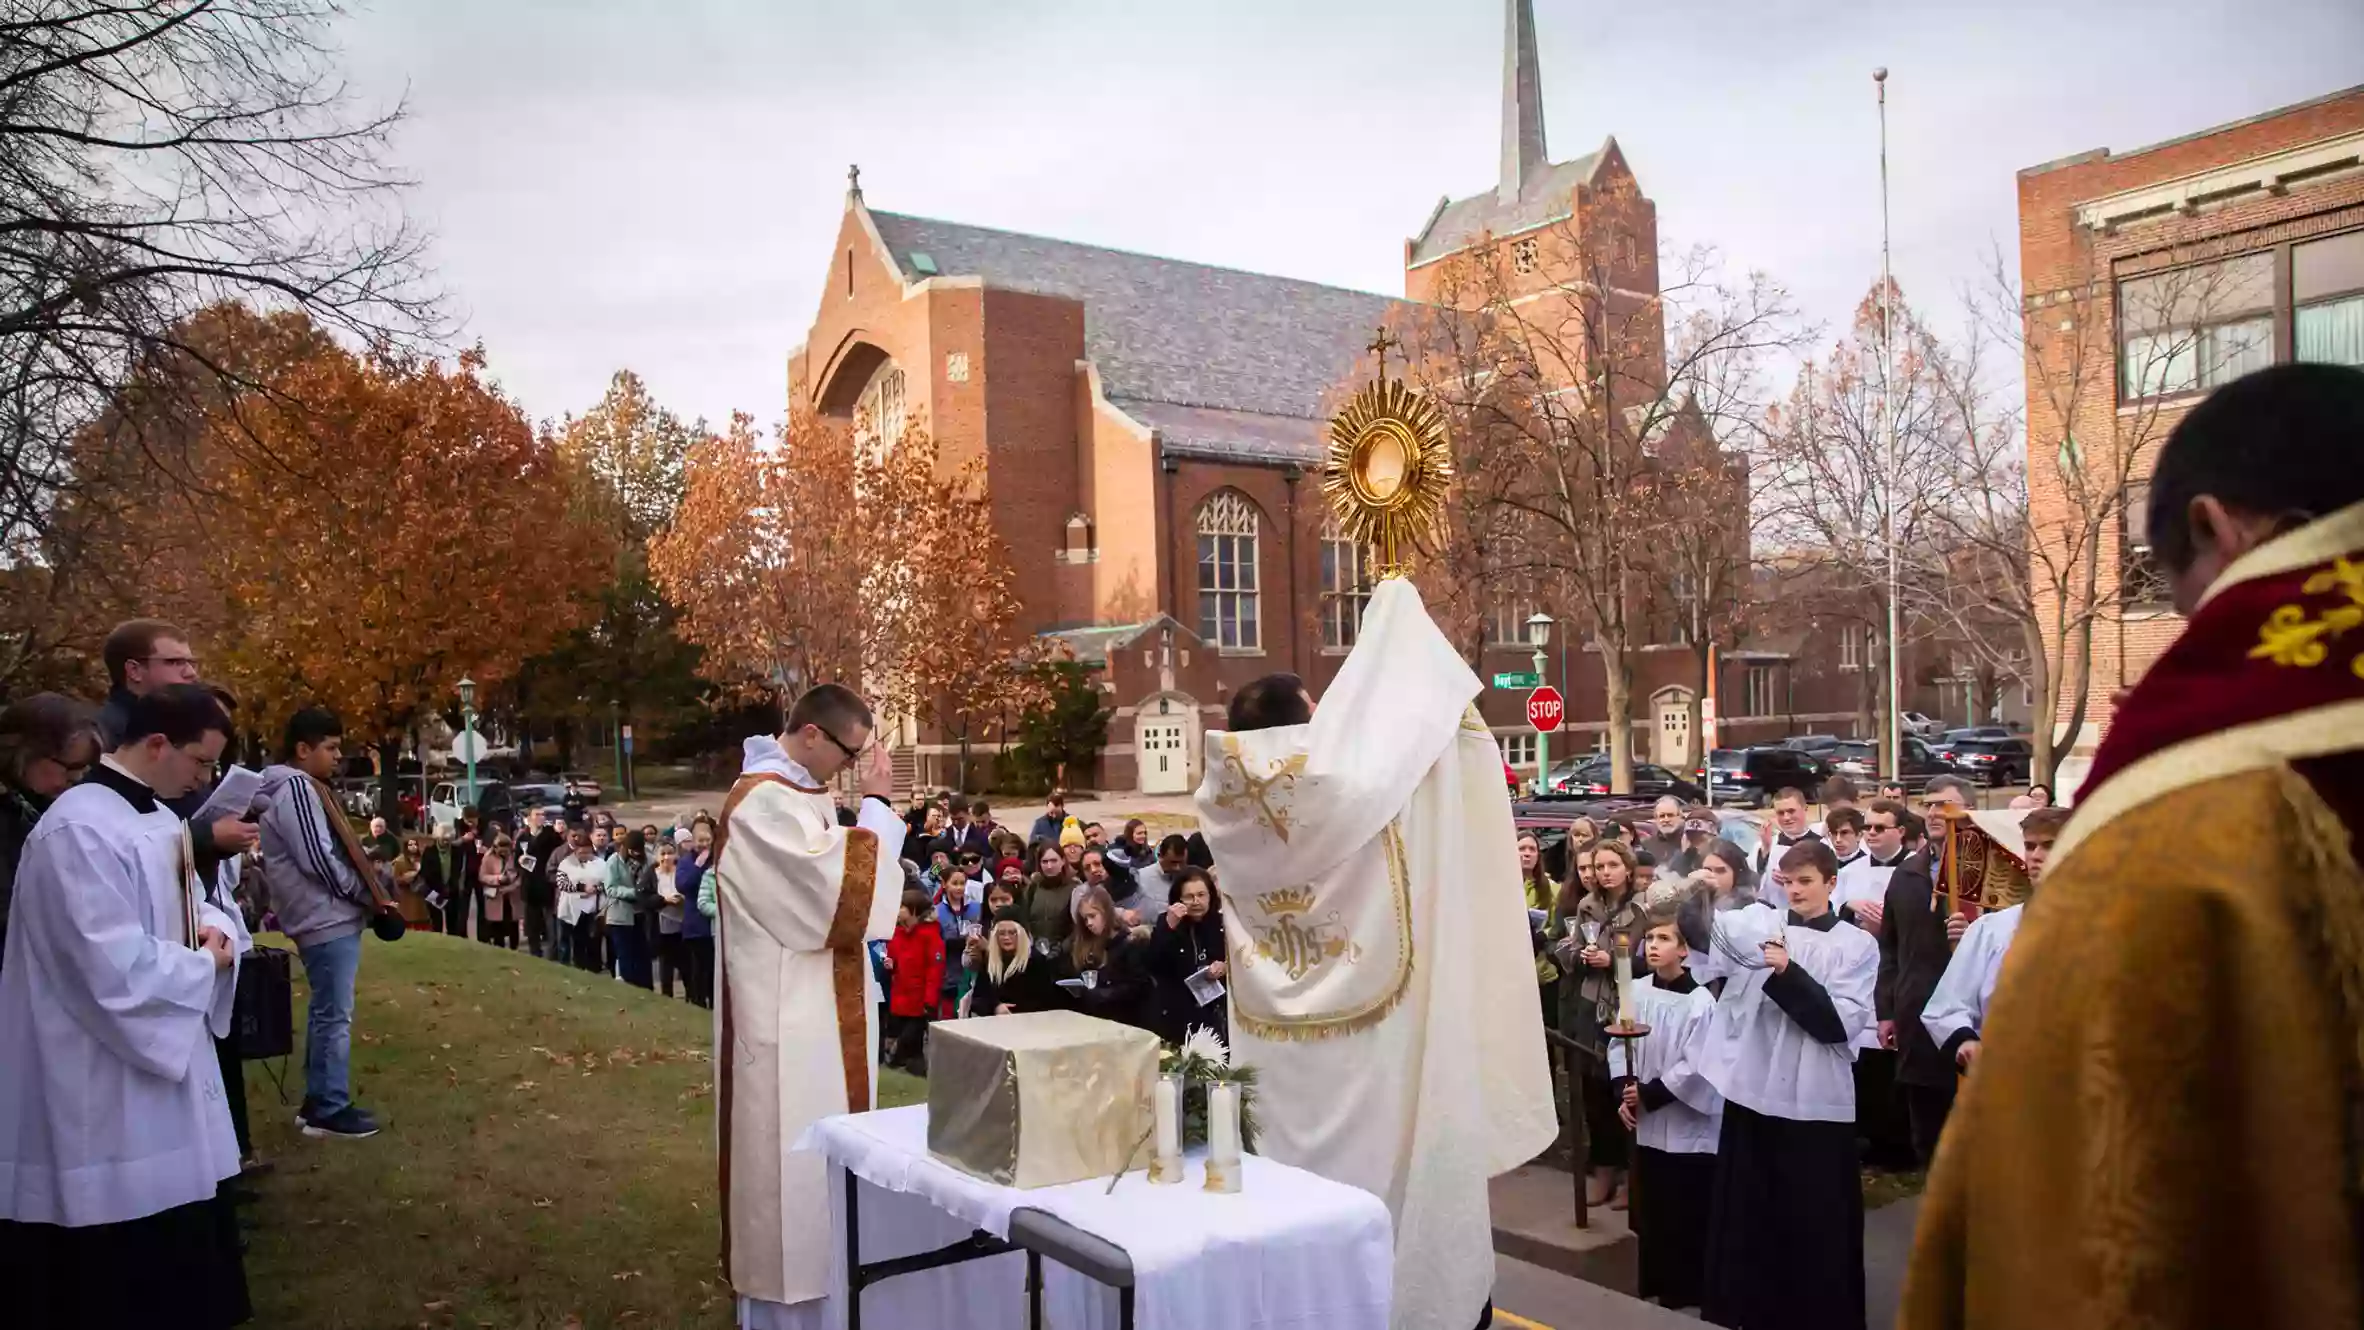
{"type": "Point", "coordinates": [1388, 467]}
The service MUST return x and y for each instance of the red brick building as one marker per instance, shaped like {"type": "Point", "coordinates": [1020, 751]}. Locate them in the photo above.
{"type": "Point", "coordinates": [2150, 277]}
{"type": "Point", "coordinates": [1152, 429]}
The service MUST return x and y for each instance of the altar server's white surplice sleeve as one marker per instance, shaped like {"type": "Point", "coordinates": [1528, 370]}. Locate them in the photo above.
{"type": "Point", "coordinates": [144, 998]}
{"type": "Point", "coordinates": [1957, 1007]}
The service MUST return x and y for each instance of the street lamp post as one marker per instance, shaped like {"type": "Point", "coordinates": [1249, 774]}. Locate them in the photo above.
{"type": "Point", "coordinates": [1895, 734]}
{"type": "Point", "coordinates": [1539, 634]}
{"type": "Point", "coordinates": [468, 739]}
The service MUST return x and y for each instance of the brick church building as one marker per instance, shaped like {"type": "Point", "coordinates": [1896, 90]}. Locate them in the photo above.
{"type": "Point", "coordinates": [1153, 428]}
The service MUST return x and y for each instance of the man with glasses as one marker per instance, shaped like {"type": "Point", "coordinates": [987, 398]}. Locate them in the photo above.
{"type": "Point", "coordinates": [143, 655]}
{"type": "Point", "coordinates": [798, 897]}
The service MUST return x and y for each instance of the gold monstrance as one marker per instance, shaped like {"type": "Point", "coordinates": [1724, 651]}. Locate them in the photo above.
{"type": "Point", "coordinates": [1388, 468]}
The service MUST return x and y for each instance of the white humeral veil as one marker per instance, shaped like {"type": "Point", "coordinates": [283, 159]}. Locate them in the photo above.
{"type": "Point", "coordinates": [1382, 977]}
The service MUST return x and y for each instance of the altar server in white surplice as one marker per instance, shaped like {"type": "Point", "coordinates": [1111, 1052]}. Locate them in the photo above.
{"type": "Point", "coordinates": [114, 1133]}
{"type": "Point", "coordinates": [1382, 977]}
{"type": "Point", "coordinates": [798, 898]}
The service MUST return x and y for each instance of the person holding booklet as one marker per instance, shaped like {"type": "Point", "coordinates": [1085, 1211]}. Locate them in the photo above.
{"type": "Point", "coordinates": [1184, 957]}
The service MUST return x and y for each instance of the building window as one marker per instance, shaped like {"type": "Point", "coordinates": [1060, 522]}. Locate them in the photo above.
{"type": "Point", "coordinates": [1345, 589]}
{"type": "Point", "coordinates": [1756, 693]}
{"type": "Point", "coordinates": [1507, 615]}
{"type": "Point", "coordinates": [956, 366]}
{"type": "Point", "coordinates": [2141, 582]}
{"type": "Point", "coordinates": [2327, 286]}
{"type": "Point", "coordinates": [1227, 572]}
{"type": "Point", "coordinates": [2194, 328]}
{"type": "Point", "coordinates": [878, 415]}
{"type": "Point", "coordinates": [1523, 259]}
{"type": "Point", "coordinates": [1851, 647]}
{"type": "Point", "coordinates": [1518, 749]}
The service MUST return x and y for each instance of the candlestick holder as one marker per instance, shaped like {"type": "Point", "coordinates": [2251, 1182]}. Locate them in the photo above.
{"type": "Point", "coordinates": [1630, 1032]}
{"type": "Point", "coordinates": [1223, 1143]}
{"type": "Point", "coordinates": [1165, 1163]}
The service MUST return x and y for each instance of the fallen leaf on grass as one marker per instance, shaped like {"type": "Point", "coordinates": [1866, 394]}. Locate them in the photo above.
{"type": "Point", "coordinates": [526, 1085]}
{"type": "Point", "coordinates": [541, 1202]}
{"type": "Point", "coordinates": [438, 1306]}
{"type": "Point", "coordinates": [621, 1275]}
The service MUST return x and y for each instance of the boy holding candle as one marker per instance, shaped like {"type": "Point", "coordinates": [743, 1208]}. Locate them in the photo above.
{"type": "Point", "coordinates": [1780, 1050]}
{"type": "Point", "coordinates": [1675, 1116]}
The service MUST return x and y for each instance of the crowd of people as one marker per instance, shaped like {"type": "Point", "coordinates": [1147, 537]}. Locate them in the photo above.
{"type": "Point", "coordinates": [1810, 1004]}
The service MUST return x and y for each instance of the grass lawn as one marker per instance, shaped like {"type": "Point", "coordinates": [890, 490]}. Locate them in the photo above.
{"type": "Point", "coordinates": [548, 1158]}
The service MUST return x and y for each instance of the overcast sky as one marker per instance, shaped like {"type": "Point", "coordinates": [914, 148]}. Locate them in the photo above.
{"type": "Point", "coordinates": [655, 184]}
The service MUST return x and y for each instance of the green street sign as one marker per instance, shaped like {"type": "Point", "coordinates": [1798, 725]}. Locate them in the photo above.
{"type": "Point", "coordinates": [1518, 681]}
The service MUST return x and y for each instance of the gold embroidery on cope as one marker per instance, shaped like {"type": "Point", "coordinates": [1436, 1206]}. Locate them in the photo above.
{"type": "Point", "coordinates": [2290, 636]}
{"type": "Point", "coordinates": [1318, 950]}
{"type": "Point", "coordinates": [1300, 948]}
{"type": "Point", "coordinates": [1269, 792]}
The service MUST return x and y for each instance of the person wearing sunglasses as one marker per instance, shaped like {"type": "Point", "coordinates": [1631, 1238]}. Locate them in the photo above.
{"type": "Point", "coordinates": [47, 744]}
{"type": "Point", "coordinates": [797, 898]}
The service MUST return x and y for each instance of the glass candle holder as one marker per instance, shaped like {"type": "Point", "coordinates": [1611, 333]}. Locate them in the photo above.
{"type": "Point", "coordinates": [1223, 1144]}
{"type": "Point", "coordinates": [1165, 1102]}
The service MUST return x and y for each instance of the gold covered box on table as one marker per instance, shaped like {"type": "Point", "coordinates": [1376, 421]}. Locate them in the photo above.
{"type": "Point", "coordinates": [1040, 1099]}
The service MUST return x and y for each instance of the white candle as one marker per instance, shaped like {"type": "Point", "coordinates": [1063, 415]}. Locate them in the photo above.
{"type": "Point", "coordinates": [1624, 969]}
{"type": "Point", "coordinates": [1223, 1122]}
{"type": "Point", "coordinates": [1166, 1105]}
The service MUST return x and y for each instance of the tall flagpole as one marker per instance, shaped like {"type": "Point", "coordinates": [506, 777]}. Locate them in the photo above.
{"type": "Point", "coordinates": [1888, 432]}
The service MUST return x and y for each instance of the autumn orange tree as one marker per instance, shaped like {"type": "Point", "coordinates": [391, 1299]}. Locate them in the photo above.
{"type": "Point", "coordinates": [376, 526]}
{"type": "Point", "coordinates": [815, 556]}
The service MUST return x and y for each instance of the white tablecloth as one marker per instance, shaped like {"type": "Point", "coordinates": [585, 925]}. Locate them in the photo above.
{"type": "Point", "coordinates": [1289, 1251]}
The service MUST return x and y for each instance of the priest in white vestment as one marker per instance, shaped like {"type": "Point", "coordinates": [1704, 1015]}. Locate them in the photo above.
{"type": "Point", "coordinates": [1382, 977]}
{"type": "Point", "coordinates": [798, 897]}
{"type": "Point", "coordinates": [114, 1133]}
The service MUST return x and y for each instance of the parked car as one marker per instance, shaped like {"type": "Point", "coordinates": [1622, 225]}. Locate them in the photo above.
{"type": "Point", "coordinates": [1651, 781]}
{"type": "Point", "coordinates": [1812, 743]}
{"type": "Point", "coordinates": [1727, 765]}
{"type": "Point", "coordinates": [537, 794]}
{"type": "Point", "coordinates": [1767, 770]}
{"type": "Point", "coordinates": [499, 805]}
{"type": "Point", "coordinates": [582, 783]}
{"type": "Point", "coordinates": [358, 795]}
{"type": "Point", "coordinates": [1860, 759]}
{"type": "Point", "coordinates": [1995, 761]}
{"type": "Point", "coordinates": [1951, 740]}
{"type": "Point", "coordinates": [1924, 726]}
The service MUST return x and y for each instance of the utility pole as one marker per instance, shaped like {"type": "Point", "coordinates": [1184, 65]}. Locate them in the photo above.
{"type": "Point", "coordinates": [1895, 743]}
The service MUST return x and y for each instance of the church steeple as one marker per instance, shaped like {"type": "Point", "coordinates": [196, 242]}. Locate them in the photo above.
{"type": "Point", "coordinates": [1523, 155]}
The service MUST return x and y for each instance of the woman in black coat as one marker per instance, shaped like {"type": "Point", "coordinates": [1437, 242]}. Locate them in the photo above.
{"type": "Point", "coordinates": [1013, 978]}
{"type": "Point", "coordinates": [47, 742]}
{"type": "Point", "coordinates": [1101, 956]}
{"type": "Point", "coordinates": [1188, 938]}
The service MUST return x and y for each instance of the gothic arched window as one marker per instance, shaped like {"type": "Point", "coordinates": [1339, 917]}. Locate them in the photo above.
{"type": "Point", "coordinates": [1227, 530]}
{"type": "Point", "coordinates": [1345, 588]}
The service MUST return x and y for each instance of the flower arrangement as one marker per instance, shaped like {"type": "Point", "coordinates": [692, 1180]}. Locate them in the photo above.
{"type": "Point", "coordinates": [1202, 1060]}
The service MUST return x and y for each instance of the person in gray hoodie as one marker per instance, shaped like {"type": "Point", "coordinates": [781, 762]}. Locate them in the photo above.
{"type": "Point", "coordinates": [312, 866]}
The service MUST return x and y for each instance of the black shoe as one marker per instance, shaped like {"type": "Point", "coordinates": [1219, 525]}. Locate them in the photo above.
{"type": "Point", "coordinates": [304, 1114]}
{"type": "Point", "coordinates": [348, 1122]}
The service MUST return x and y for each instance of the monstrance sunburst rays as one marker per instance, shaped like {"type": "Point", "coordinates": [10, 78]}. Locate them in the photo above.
{"type": "Point", "coordinates": [1388, 467]}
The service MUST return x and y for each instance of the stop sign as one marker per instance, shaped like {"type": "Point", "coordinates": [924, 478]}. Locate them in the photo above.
{"type": "Point", "coordinates": [1545, 709]}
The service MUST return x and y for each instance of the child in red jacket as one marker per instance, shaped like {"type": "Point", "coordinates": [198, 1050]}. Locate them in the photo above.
{"type": "Point", "coordinates": [915, 977]}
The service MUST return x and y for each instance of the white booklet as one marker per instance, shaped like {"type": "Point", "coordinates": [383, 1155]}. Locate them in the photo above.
{"type": "Point", "coordinates": [232, 797]}
{"type": "Point", "coordinates": [1203, 986]}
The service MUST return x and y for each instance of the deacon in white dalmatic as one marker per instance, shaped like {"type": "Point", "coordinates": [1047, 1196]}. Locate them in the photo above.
{"type": "Point", "coordinates": [114, 1133]}
{"type": "Point", "coordinates": [797, 898]}
{"type": "Point", "coordinates": [1382, 977]}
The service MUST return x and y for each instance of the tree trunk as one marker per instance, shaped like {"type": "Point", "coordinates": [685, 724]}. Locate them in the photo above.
{"type": "Point", "coordinates": [962, 776]}
{"type": "Point", "coordinates": [2039, 686]}
{"type": "Point", "coordinates": [1617, 690]}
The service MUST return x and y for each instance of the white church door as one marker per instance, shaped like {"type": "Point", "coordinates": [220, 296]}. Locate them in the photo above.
{"type": "Point", "coordinates": [1163, 755]}
{"type": "Point", "coordinates": [1674, 728]}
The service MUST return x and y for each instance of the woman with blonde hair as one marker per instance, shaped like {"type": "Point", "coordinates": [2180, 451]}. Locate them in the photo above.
{"type": "Point", "coordinates": [1605, 918]}
{"type": "Point", "coordinates": [1010, 982]}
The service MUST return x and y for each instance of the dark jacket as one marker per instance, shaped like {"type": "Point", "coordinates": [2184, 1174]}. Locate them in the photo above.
{"type": "Point", "coordinates": [19, 810]}
{"type": "Point", "coordinates": [1046, 902]}
{"type": "Point", "coordinates": [1033, 989]}
{"type": "Point", "coordinates": [1120, 992]}
{"type": "Point", "coordinates": [1170, 956]}
{"type": "Point", "coordinates": [456, 883]}
{"type": "Point", "coordinates": [1913, 955]}
{"type": "Point", "coordinates": [972, 837]}
{"type": "Point", "coordinates": [543, 848]}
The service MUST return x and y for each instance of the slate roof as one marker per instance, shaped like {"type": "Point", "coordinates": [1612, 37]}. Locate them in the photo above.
{"type": "Point", "coordinates": [1225, 344]}
{"type": "Point", "coordinates": [1544, 199]}
{"type": "Point", "coordinates": [1226, 436]}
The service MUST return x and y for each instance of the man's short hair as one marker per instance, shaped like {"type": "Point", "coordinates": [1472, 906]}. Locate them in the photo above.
{"type": "Point", "coordinates": [1058, 797]}
{"type": "Point", "coordinates": [1789, 792]}
{"type": "Point", "coordinates": [312, 725]}
{"type": "Point", "coordinates": [2044, 819]}
{"type": "Point", "coordinates": [1844, 819]}
{"type": "Point", "coordinates": [977, 809]}
{"type": "Point", "coordinates": [183, 713]}
{"type": "Point", "coordinates": [1890, 807]}
{"type": "Point", "coordinates": [1839, 789]}
{"type": "Point", "coordinates": [833, 707]}
{"type": "Point", "coordinates": [1811, 854]}
{"type": "Point", "coordinates": [2279, 443]}
{"type": "Point", "coordinates": [136, 639]}
{"type": "Point", "coordinates": [1173, 844]}
{"type": "Point", "coordinates": [1955, 783]}
{"type": "Point", "coordinates": [1269, 703]}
